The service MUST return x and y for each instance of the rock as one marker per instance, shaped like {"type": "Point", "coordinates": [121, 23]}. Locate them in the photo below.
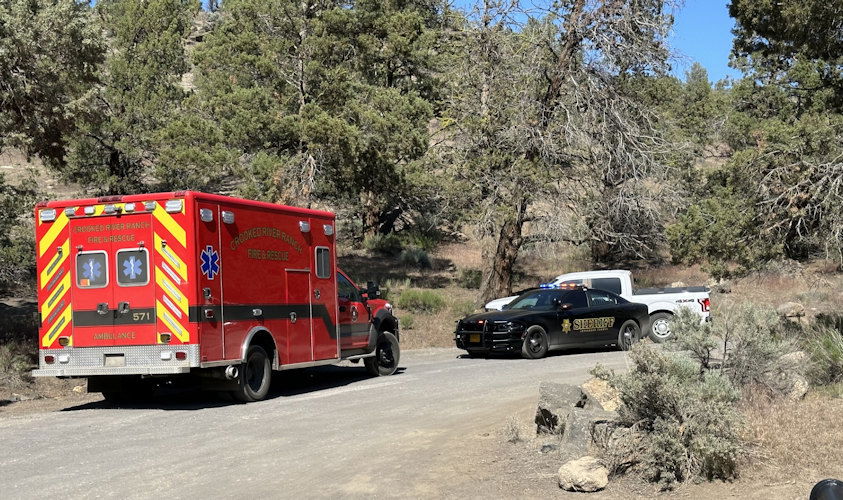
{"type": "Point", "coordinates": [79, 389]}
{"type": "Point", "coordinates": [795, 359]}
{"type": "Point", "coordinates": [798, 388]}
{"type": "Point", "coordinates": [555, 401]}
{"type": "Point", "coordinates": [580, 426]}
{"type": "Point", "coordinates": [600, 395]}
{"type": "Point", "coordinates": [584, 474]}
{"type": "Point", "coordinates": [791, 310]}
{"type": "Point", "coordinates": [677, 284]}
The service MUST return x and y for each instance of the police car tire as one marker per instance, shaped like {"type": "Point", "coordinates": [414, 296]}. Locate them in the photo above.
{"type": "Point", "coordinates": [386, 358]}
{"type": "Point", "coordinates": [635, 335]}
{"type": "Point", "coordinates": [654, 320]}
{"type": "Point", "coordinates": [256, 368]}
{"type": "Point", "coordinates": [538, 332]}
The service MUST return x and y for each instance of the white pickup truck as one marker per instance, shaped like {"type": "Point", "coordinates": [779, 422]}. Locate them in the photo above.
{"type": "Point", "coordinates": [662, 303]}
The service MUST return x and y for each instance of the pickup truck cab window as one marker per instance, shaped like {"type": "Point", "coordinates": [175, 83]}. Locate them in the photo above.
{"type": "Point", "coordinates": [609, 284]}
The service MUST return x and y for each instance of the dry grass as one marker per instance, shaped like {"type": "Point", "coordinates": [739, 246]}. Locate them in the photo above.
{"type": "Point", "coordinates": [793, 439]}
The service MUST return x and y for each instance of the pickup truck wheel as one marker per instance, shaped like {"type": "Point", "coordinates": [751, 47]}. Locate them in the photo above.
{"type": "Point", "coordinates": [630, 333]}
{"type": "Point", "coordinates": [255, 376]}
{"type": "Point", "coordinates": [660, 327]}
{"type": "Point", "coordinates": [386, 358]}
{"type": "Point", "coordinates": [535, 343]}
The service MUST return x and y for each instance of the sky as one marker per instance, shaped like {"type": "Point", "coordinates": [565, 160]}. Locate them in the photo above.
{"type": "Point", "coordinates": [702, 32]}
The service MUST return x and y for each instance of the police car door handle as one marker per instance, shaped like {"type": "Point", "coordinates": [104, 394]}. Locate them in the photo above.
{"type": "Point", "coordinates": [102, 308]}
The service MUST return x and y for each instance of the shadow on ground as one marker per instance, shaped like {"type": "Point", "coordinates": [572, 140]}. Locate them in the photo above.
{"type": "Point", "coordinates": [284, 384]}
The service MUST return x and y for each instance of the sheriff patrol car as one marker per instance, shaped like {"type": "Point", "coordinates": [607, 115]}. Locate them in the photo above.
{"type": "Point", "coordinates": [554, 317]}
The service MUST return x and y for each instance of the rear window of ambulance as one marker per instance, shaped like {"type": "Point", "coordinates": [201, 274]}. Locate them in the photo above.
{"type": "Point", "coordinates": [91, 269]}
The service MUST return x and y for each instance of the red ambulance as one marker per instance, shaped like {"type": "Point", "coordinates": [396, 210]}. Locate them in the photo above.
{"type": "Point", "coordinates": [135, 289]}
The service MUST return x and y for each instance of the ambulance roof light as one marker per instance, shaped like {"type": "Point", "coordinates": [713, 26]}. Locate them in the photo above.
{"type": "Point", "coordinates": [329, 229]}
{"type": "Point", "coordinates": [47, 215]}
{"type": "Point", "coordinates": [70, 211]}
{"type": "Point", "coordinates": [110, 209]}
{"type": "Point", "coordinates": [228, 217]}
{"type": "Point", "coordinates": [89, 210]}
{"type": "Point", "coordinates": [149, 206]}
{"type": "Point", "coordinates": [304, 226]}
{"type": "Point", "coordinates": [173, 206]}
{"type": "Point", "coordinates": [129, 207]}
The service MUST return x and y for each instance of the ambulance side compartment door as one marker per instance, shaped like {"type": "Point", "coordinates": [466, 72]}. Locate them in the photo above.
{"type": "Point", "coordinates": [209, 312]}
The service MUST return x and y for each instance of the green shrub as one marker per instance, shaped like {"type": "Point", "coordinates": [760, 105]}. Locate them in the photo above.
{"type": "Point", "coordinates": [824, 345]}
{"type": "Point", "coordinates": [680, 423]}
{"type": "Point", "coordinates": [421, 301]}
{"type": "Point", "coordinates": [383, 244]}
{"type": "Point", "coordinates": [414, 257]}
{"type": "Point", "coordinates": [407, 322]}
{"type": "Point", "coordinates": [463, 308]}
{"type": "Point", "coordinates": [470, 278]}
{"type": "Point", "coordinates": [747, 343]}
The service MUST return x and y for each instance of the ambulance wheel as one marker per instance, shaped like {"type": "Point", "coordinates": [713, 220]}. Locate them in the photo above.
{"type": "Point", "coordinates": [660, 327]}
{"type": "Point", "coordinates": [630, 334]}
{"type": "Point", "coordinates": [535, 343]}
{"type": "Point", "coordinates": [386, 358]}
{"type": "Point", "coordinates": [254, 377]}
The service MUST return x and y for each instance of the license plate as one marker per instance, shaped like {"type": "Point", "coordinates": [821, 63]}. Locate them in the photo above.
{"type": "Point", "coordinates": [474, 338]}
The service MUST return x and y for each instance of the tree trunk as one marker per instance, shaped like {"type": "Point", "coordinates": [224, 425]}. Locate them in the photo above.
{"type": "Point", "coordinates": [498, 278]}
{"type": "Point", "coordinates": [370, 213]}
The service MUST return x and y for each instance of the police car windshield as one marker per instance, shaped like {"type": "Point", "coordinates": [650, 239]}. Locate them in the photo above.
{"type": "Point", "coordinates": [537, 299]}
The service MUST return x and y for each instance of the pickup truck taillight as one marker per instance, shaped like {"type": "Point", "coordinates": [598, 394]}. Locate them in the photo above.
{"type": "Point", "coordinates": [705, 304]}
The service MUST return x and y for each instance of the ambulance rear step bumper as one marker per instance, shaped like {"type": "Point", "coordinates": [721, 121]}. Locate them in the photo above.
{"type": "Point", "coordinates": [123, 360]}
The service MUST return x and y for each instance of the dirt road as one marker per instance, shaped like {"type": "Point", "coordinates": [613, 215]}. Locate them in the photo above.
{"type": "Point", "coordinates": [324, 432]}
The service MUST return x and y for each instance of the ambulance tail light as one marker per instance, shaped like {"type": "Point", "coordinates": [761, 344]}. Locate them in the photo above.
{"type": "Point", "coordinates": [47, 215]}
{"type": "Point", "coordinates": [49, 359]}
{"type": "Point", "coordinates": [173, 206]}
{"type": "Point", "coordinates": [64, 341]}
{"type": "Point", "coordinates": [705, 304]}
{"type": "Point", "coordinates": [165, 338]}
{"type": "Point", "coordinates": [181, 355]}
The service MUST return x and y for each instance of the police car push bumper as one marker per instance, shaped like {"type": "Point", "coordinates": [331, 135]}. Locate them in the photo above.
{"type": "Point", "coordinates": [490, 336]}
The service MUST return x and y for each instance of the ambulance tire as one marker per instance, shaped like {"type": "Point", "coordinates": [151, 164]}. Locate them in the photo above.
{"type": "Point", "coordinates": [386, 358]}
{"type": "Point", "coordinates": [255, 376]}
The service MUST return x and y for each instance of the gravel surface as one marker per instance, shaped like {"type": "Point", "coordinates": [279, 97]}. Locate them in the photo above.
{"type": "Point", "coordinates": [323, 432]}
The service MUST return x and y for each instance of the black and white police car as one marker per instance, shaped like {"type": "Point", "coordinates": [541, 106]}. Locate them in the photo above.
{"type": "Point", "coordinates": [554, 317]}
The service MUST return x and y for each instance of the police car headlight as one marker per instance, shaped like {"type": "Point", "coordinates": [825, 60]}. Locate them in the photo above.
{"type": "Point", "coordinates": [514, 326]}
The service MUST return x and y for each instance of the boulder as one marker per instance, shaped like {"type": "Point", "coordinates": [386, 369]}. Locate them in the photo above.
{"type": "Point", "coordinates": [795, 359]}
{"type": "Point", "coordinates": [600, 395]}
{"type": "Point", "coordinates": [798, 388]}
{"type": "Point", "coordinates": [555, 401]}
{"type": "Point", "coordinates": [678, 284]}
{"type": "Point", "coordinates": [584, 474]}
{"type": "Point", "coordinates": [579, 431]}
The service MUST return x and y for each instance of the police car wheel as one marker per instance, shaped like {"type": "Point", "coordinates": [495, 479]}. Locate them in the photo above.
{"type": "Point", "coordinates": [386, 358]}
{"type": "Point", "coordinates": [535, 343]}
{"type": "Point", "coordinates": [630, 333]}
{"type": "Point", "coordinates": [255, 376]}
{"type": "Point", "coordinates": [660, 327]}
